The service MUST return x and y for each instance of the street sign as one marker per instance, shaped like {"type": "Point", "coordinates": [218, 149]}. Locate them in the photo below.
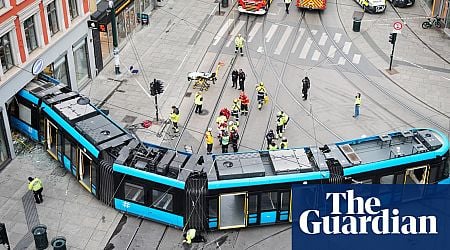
{"type": "Point", "coordinates": [398, 27]}
{"type": "Point", "coordinates": [92, 24]}
{"type": "Point", "coordinates": [37, 67]}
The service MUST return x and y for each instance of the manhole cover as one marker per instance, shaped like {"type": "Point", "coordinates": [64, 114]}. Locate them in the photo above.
{"type": "Point", "coordinates": [188, 94]}
{"type": "Point", "coordinates": [129, 119]}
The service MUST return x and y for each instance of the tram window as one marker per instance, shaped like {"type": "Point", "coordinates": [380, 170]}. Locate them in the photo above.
{"type": "Point", "coordinates": [269, 201]}
{"type": "Point", "coordinates": [67, 148]}
{"type": "Point", "coordinates": [61, 143]}
{"type": "Point", "coordinates": [399, 178]}
{"type": "Point", "coordinates": [162, 200]}
{"type": "Point", "coordinates": [94, 175]}
{"type": "Point", "coordinates": [74, 154]}
{"type": "Point", "coordinates": [285, 197]}
{"type": "Point", "coordinates": [212, 208]}
{"type": "Point", "coordinates": [416, 175]}
{"type": "Point", "coordinates": [134, 192]}
{"type": "Point", "coordinates": [25, 113]}
{"type": "Point", "coordinates": [388, 179]}
{"type": "Point", "coordinates": [252, 203]}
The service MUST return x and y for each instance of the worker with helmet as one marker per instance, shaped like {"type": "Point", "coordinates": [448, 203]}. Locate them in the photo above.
{"type": "Point", "coordinates": [209, 141]}
{"type": "Point", "coordinates": [239, 42]}
{"type": "Point", "coordinates": [273, 146]}
{"type": "Point", "coordinates": [174, 118]}
{"type": "Point", "coordinates": [285, 119]}
{"type": "Point", "coordinates": [280, 123]}
{"type": "Point", "coordinates": [261, 94]}
{"type": "Point", "coordinates": [243, 98]}
{"type": "Point", "coordinates": [232, 126]}
{"type": "Point", "coordinates": [284, 143]}
{"type": "Point", "coordinates": [235, 110]}
{"type": "Point", "coordinates": [198, 101]}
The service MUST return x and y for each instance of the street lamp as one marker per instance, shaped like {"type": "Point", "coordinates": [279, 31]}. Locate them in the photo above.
{"type": "Point", "coordinates": [112, 12]}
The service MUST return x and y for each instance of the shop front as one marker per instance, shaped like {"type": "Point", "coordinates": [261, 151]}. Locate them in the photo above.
{"type": "Point", "coordinates": [5, 156]}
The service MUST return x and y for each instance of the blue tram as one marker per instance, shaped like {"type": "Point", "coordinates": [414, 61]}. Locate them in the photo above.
{"type": "Point", "coordinates": [210, 193]}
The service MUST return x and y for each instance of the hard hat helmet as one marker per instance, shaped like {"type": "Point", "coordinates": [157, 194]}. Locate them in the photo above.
{"type": "Point", "coordinates": [284, 139]}
{"type": "Point", "coordinates": [209, 129]}
{"type": "Point", "coordinates": [235, 100]}
{"type": "Point", "coordinates": [271, 131]}
{"type": "Point", "coordinates": [280, 113]}
{"type": "Point", "coordinates": [239, 35]}
{"type": "Point", "coordinates": [230, 123]}
{"type": "Point", "coordinates": [261, 84]}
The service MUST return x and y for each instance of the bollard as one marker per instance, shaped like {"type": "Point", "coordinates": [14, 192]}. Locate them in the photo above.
{"type": "Point", "coordinates": [40, 236]}
{"type": "Point", "coordinates": [224, 3]}
{"type": "Point", "coordinates": [357, 17]}
{"type": "Point", "coordinates": [59, 243]}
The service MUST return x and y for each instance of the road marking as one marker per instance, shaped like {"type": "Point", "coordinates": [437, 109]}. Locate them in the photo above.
{"type": "Point", "coordinates": [260, 49]}
{"type": "Point", "coordinates": [283, 40]}
{"type": "Point", "coordinates": [341, 61]}
{"type": "Point", "coordinates": [314, 32]}
{"type": "Point", "coordinates": [253, 31]}
{"type": "Point", "coordinates": [272, 30]}
{"type": "Point", "coordinates": [235, 31]}
{"type": "Point", "coordinates": [306, 48]}
{"type": "Point", "coordinates": [316, 55]}
{"type": "Point", "coordinates": [337, 37]}
{"type": "Point", "coordinates": [356, 58]}
{"type": "Point", "coordinates": [331, 52]}
{"type": "Point", "coordinates": [222, 31]}
{"type": "Point", "coordinates": [323, 39]}
{"type": "Point", "coordinates": [346, 47]}
{"type": "Point", "coordinates": [302, 30]}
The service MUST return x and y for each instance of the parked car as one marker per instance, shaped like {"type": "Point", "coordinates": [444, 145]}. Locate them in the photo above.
{"type": "Point", "coordinates": [402, 3]}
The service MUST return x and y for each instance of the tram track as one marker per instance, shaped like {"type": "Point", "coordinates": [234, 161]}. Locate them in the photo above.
{"type": "Point", "coordinates": [372, 82]}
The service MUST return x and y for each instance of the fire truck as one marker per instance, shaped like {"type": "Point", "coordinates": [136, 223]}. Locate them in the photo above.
{"type": "Point", "coordinates": [257, 7]}
{"type": "Point", "coordinates": [312, 4]}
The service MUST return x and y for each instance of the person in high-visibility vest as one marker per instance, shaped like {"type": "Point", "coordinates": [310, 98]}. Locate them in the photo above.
{"type": "Point", "coordinates": [225, 139]}
{"type": "Point", "coordinates": [198, 101]}
{"type": "Point", "coordinates": [285, 119]}
{"type": "Point", "coordinates": [273, 146]}
{"type": "Point", "coordinates": [357, 104]}
{"type": "Point", "coordinates": [260, 94]}
{"type": "Point", "coordinates": [280, 123]}
{"type": "Point", "coordinates": [174, 118]}
{"type": "Point", "coordinates": [243, 98]}
{"type": "Point", "coordinates": [284, 143]}
{"type": "Point", "coordinates": [35, 185]}
{"type": "Point", "coordinates": [235, 110]}
{"type": "Point", "coordinates": [209, 141]}
{"type": "Point", "coordinates": [239, 42]}
{"type": "Point", "coordinates": [190, 235]}
{"type": "Point", "coordinates": [287, 3]}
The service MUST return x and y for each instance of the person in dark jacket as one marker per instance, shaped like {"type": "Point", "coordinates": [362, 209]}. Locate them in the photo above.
{"type": "Point", "coordinates": [270, 136]}
{"type": "Point", "coordinates": [234, 138]}
{"type": "Point", "coordinates": [241, 79]}
{"type": "Point", "coordinates": [234, 78]}
{"type": "Point", "coordinates": [305, 88]}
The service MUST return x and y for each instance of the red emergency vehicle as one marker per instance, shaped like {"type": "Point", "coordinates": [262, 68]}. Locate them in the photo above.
{"type": "Point", "coordinates": [312, 4]}
{"type": "Point", "coordinates": [258, 7]}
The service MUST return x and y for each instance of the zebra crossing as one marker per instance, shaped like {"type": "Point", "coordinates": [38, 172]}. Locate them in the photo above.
{"type": "Point", "coordinates": [281, 36]}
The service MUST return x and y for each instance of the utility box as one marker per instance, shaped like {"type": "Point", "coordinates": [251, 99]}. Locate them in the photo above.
{"type": "Point", "coordinates": [357, 18]}
{"type": "Point", "coordinates": [40, 236]}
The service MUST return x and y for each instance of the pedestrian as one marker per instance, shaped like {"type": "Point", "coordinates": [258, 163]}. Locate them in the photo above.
{"type": "Point", "coordinates": [235, 110]}
{"type": "Point", "coordinates": [225, 139]}
{"type": "Point", "coordinates": [285, 119]}
{"type": "Point", "coordinates": [234, 78]}
{"type": "Point", "coordinates": [273, 146]}
{"type": "Point", "coordinates": [198, 101]}
{"type": "Point", "coordinates": [261, 94]}
{"type": "Point", "coordinates": [234, 138]}
{"type": "Point", "coordinates": [209, 141]}
{"type": "Point", "coordinates": [270, 136]}
{"type": "Point", "coordinates": [305, 87]}
{"type": "Point", "coordinates": [243, 98]}
{"type": "Point", "coordinates": [189, 235]}
{"type": "Point", "coordinates": [284, 143]}
{"type": "Point", "coordinates": [174, 118]}
{"type": "Point", "coordinates": [232, 126]}
{"type": "Point", "coordinates": [241, 79]}
{"type": "Point", "coordinates": [239, 42]}
{"type": "Point", "coordinates": [35, 185]}
{"type": "Point", "coordinates": [357, 105]}
{"type": "Point", "coordinates": [287, 3]}
{"type": "Point", "coordinates": [280, 123]}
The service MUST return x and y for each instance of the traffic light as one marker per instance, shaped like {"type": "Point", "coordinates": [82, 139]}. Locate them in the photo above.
{"type": "Point", "coordinates": [392, 38]}
{"type": "Point", "coordinates": [3, 234]}
{"type": "Point", "coordinates": [152, 89]}
{"type": "Point", "coordinates": [159, 87]}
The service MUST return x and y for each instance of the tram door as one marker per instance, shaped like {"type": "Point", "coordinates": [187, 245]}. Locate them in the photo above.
{"type": "Point", "coordinates": [52, 139]}
{"type": "Point", "coordinates": [232, 210]}
{"type": "Point", "coordinates": [416, 175]}
{"type": "Point", "coordinates": [84, 170]}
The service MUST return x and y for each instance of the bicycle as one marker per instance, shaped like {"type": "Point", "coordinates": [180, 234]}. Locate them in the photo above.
{"type": "Point", "coordinates": [435, 21]}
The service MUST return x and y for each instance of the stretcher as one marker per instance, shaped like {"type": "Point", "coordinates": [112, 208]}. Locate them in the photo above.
{"type": "Point", "coordinates": [201, 79]}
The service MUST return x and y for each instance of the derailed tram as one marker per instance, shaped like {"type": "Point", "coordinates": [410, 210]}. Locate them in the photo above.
{"type": "Point", "coordinates": [224, 191]}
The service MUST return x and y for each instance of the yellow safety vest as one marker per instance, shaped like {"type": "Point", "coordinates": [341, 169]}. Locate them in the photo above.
{"type": "Point", "coordinates": [221, 119]}
{"type": "Point", "coordinates": [280, 121]}
{"type": "Point", "coordinates": [235, 107]}
{"type": "Point", "coordinates": [239, 41]}
{"type": "Point", "coordinates": [260, 89]}
{"type": "Point", "coordinates": [190, 235]}
{"type": "Point", "coordinates": [283, 145]}
{"type": "Point", "coordinates": [358, 101]}
{"type": "Point", "coordinates": [35, 184]}
{"type": "Point", "coordinates": [198, 100]}
{"type": "Point", "coordinates": [209, 138]}
{"type": "Point", "coordinates": [273, 147]}
{"type": "Point", "coordinates": [174, 117]}
{"type": "Point", "coordinates": [284, 118]}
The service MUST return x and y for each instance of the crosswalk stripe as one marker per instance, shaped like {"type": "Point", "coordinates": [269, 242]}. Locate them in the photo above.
{"type": "Point", "coordinates": [356, 58]}
{"type": "Point", "coordinates": [222, 31]}
{"type": "Point", "coordinates": [283, 40]}
{"type": "Point", "coordinates": [323, 39]}
{"type": "Point", "coordinates": [272, 30]}
{"type": "Point", "coordinates": [314, 32]}
{"type": "Point", "coordinates": [337, 37]}
{"type": "Point", "coordinates": [346, 47]}
{"type": "Point", "coordinates": [235, 31]}
{"type": "Point", "coordinates": [331, 52]}
{"type": "Point", "coordinates": [341, 61]}
{"type": "Point", "coordinates": [306, 48]}
{"type": "Point", "coordinates": [316, 55]}
{"type": "Point", "coordinates": [302, 30]}
{"type": "Point", "coordinates": [253, 31]}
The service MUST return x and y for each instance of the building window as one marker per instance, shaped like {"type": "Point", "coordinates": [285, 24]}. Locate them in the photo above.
{"type": "Point", "coordinates": [59, 70]}
{"type": "Point", "coordinates": [134, 193]}
{"type": "Point", "coordinates": [52, 18]}
{"type": "Point", "coordinates": [162, 200]}
{"type": "Point", "coordinates": [6, 53]}
{"type": "Point", "coordinates": [2, 4]}
{"type": "Point", "coordinates": [30, 34]}
{"type": "Point", "coordinates": [73, 9]}
{"type": "Point", "coordinates": [81, 56]}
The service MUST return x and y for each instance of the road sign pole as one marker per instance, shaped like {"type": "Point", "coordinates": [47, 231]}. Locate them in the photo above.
{"type": "Point", "coordinates": [392, 56]}
{"type": "Point", "coordinates": [156, 102]}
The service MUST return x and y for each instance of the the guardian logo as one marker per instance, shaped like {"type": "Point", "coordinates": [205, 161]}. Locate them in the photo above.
{"type": "Point", "coordinates": [363, 216]}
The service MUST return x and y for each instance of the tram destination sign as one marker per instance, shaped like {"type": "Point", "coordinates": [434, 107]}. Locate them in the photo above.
{"type": "Point", "coordinates": [370, 217]}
